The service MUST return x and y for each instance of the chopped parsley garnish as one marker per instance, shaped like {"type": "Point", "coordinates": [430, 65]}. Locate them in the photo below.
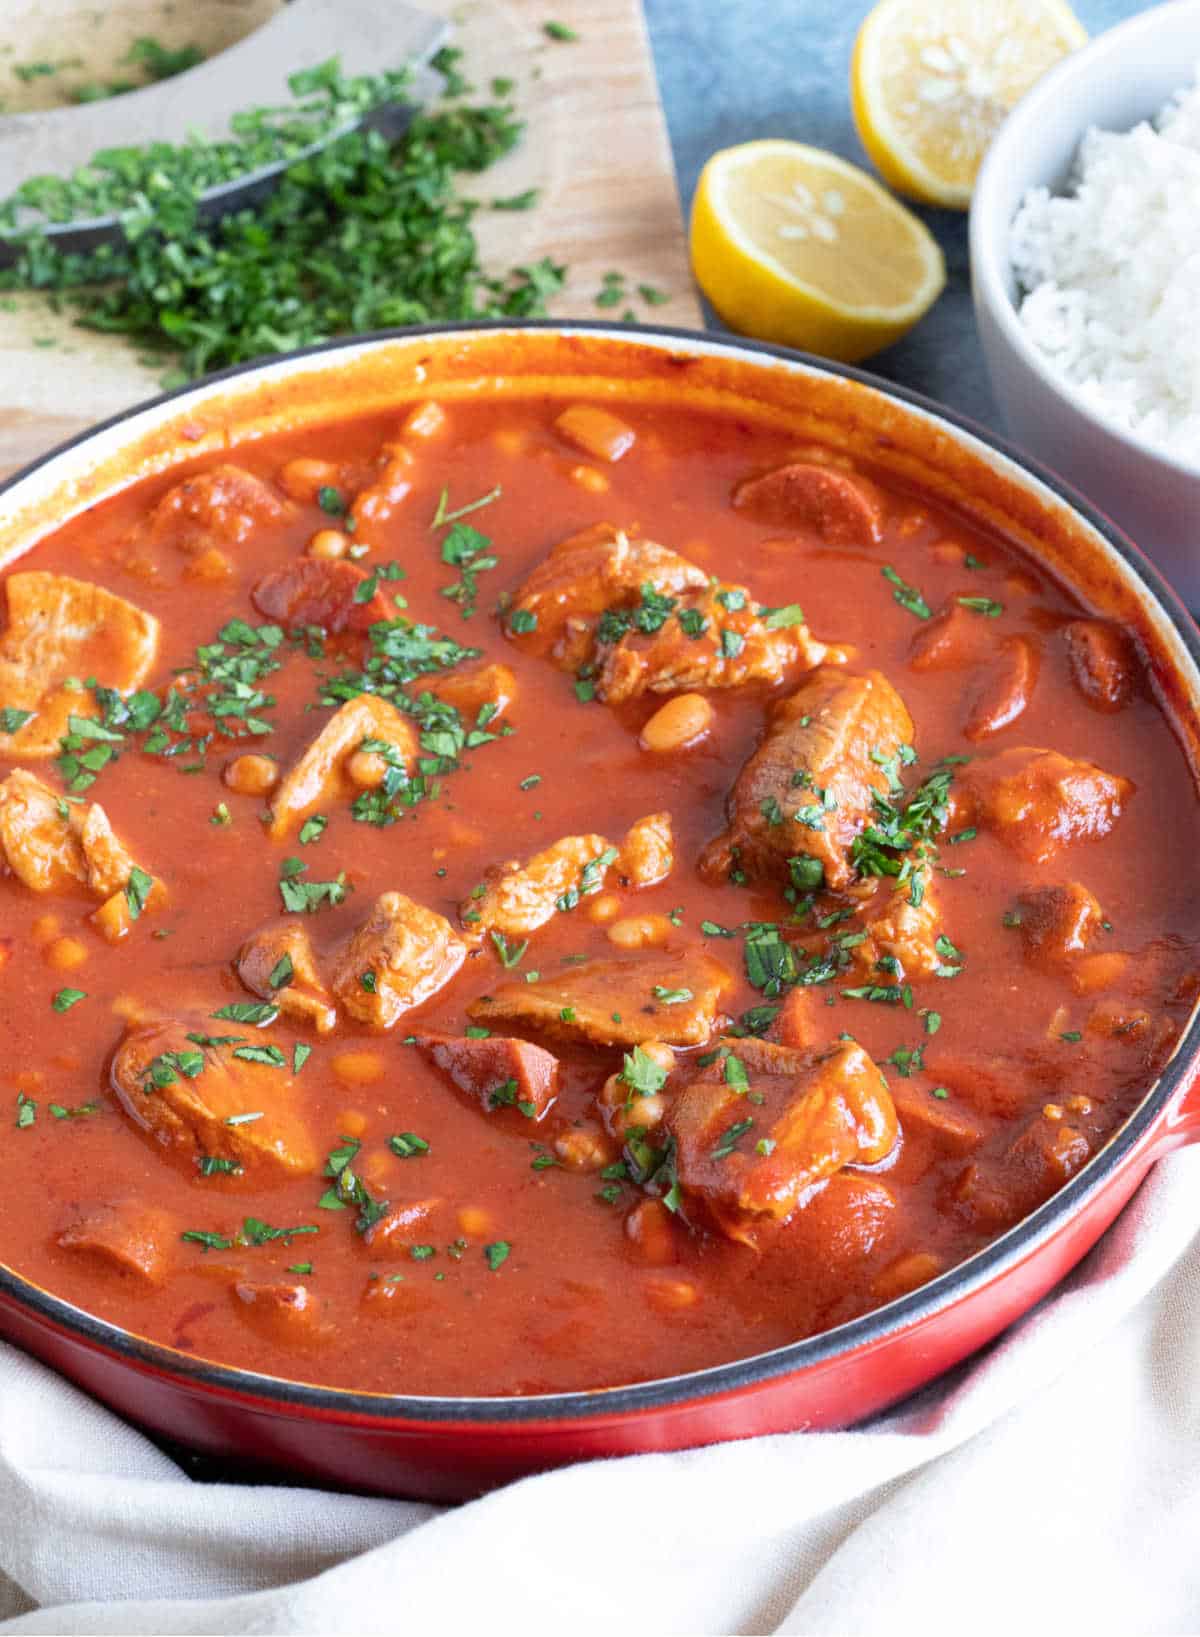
{"type": "Point", "coordinates": [281, 973]}
{"type": "Point", "coordinates": [363, 234]}
{"type": "Point", "coordinates": [909, 598]}
{"type": "Point", "coordinates": [728, 1142]}
{"type": "Point", "coordinates": [735, 1074]}
{"type": "Point", "coordinates": [12, 719]}
{"type": "Point", "coordinates": [313, 829]}
{"type": "Point", "coordinates": [469, 551]}
{"type": "Point", "coordinates": [497, 1253]}
{"type": "Point", "coordinates": [987, 606]}
{"type": "Point", "coordinates": [307, 897]}
{"type": "Point", "coordinates": [567, 36]}
{"type": "Point", "coordinates": [887, 994]}
{"type": "Point", "coordinates": [271, 1056]}
{"type": "Point", "coordinates": [408, 1145]}
{"type": "Point", "coordinates": [166, 1068]}
{"type": "Point", "coordinates": [779, 619]}
{"type": "Point", "coordinates": [215, 1165]}
{"type": "Point", "coordinates": [642, 1074]}
{"type": "Point", "coordinates": [349, 1188]}
{"type": "Point", "coordinates": [504, 1095]}
{"type": "Point", "coordinates": [66, 998]}
{"type": "Point", "coordinates": [258, 1013]}
{"type": "Point", "coordinates": [770, 962]}
{"type": "Point", "coordinates": [26, 1111]}
{"type": "Point", "coordinates": [137, 891]}
{"type": "Point", "coordinates": [510, 954]}
{"type": "Point", "coordinates": [522, 621]}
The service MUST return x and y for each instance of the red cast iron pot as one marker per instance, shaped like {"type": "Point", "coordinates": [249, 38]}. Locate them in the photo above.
{"type": "Point", "coordinates": [448, 1449]}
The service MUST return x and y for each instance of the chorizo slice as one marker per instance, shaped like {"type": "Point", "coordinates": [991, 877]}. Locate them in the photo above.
{"type": "Point", "coordinates": [221, 507]}
{"type": "Point", "coordinates": [278, 965]}
{"type": "Point", "coordinates": [1058, 922]}
{"type": "Point", "coordinates": [499, 1072]}
{"type": "Point", "coordinates": [1005, 690]}
{"type": "Point", "coordinates": [327, 592]}
{"type": "Point", "coordinates": [126, 1237]}
{"type": "Point", "coordinates": [1104, 663]}
{"type": "Point", "coordinates": [840, 509]}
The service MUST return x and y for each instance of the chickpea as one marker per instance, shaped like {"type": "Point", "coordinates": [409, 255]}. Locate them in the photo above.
{"type": "Point", "coordinates": [640, 931]}
{"type": "Point", "coordinates": [367, 769]}
{"type": "Point", "coordinates": [672, 1295]}
{"type": "Point", "coordinates": [905, 1274]}
{"type": "Point", "coordinates": [426, 420]}
{"type": "Point", "coordinates": [585, 1148]}
{"type": "Point", "coordinates": [303, 477]}
{"type": "Point", "coordinates": [587, 477]}
{"type": "Point", "coordinates": [375, 1168]}
{"type": "Point", "coordinates": [251, 774]}
{"type": "Point", "coordinates": [912, 523]}
{"type": "Point", "coordinates": [358, 1068]}
{"type": "Point", "coordinates": [628, 1110]}
{"type": "Point", "coordinates": [351, 1122]}
{"type": "Point", "coordinates": [659, 1052]}
{"type": "Point", "coordinates": [209, 567]}
{"type": "Point", "coordinates": [682, 721]}
{"type": "Point", "coordinates": [65, 954]}
{"type": "Point", "coordinates": [474, 1222]}
{"type": "Point", "coordinates": [328, 544]}
{"type": "Point", "coordinates": [113, 920]}
{"type": "Point", "coordinates": [45, 929]}
{"type": "Point", "coordinates": [650, 1230]}
{"type": "Point", "coordinates": [604, 908]}
{"type": "Point", "coordinates": [510, 440]}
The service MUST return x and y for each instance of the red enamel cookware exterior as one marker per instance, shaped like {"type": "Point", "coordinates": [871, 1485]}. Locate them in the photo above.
{"type": "Point", "coordinates": [447, 1449]}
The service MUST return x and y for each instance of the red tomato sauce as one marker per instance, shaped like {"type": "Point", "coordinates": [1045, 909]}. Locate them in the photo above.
{"type": "Point", "coordinates": [521, 1274]}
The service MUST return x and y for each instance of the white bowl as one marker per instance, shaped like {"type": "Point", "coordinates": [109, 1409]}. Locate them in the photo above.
{"type": "Point", "coordinates": [1122, 77]}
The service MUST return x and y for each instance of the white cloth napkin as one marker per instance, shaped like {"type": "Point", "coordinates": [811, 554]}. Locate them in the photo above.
{"type": "Point", "coordinates": [1052, 1482]}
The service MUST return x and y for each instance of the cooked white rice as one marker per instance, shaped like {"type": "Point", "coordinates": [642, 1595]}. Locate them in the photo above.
{"type": "Point", "coordinates": [1111, 275]}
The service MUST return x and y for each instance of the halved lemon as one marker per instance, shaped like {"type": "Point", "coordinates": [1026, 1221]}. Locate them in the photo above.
{"type": "Point", "coordinates": [792, 244]}
{"type": "Point", "coordinates": [931, 81]}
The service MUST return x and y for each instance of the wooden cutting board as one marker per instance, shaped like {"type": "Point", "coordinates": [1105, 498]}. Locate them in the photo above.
{"type": "Point", "coordinates": [595, 147]}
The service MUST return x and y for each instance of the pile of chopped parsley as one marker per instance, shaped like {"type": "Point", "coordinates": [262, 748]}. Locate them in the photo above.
{"type": "Point", "coordinates": [364, 234]}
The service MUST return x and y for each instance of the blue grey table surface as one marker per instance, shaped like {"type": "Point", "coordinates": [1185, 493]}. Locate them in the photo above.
{"type": "Point", "coordinates": [734, 71]}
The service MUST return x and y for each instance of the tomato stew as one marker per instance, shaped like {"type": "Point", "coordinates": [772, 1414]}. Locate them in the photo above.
{"type": "Point", "coordinates": [521, 895]}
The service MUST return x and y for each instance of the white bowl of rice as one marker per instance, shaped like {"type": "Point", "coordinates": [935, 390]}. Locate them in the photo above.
{"type": "Point", "coordinates": [1085, 268]}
